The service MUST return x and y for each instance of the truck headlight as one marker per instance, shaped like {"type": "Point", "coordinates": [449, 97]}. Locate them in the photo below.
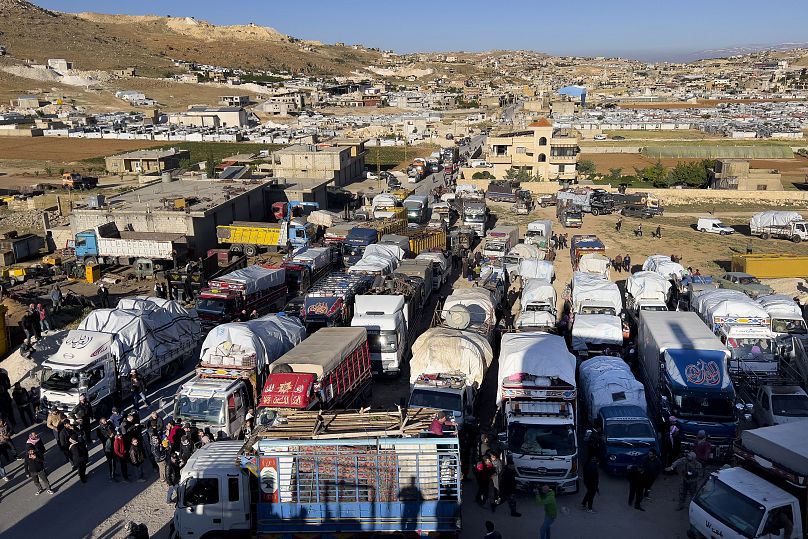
{"type": "Point", "coordinates": [613, 457]}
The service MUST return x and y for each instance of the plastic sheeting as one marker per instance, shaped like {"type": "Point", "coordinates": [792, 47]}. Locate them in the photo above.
{"type": "Point", "coordinates": [144, 331]}
{"type": "Point", "coordinates": [386, 250]}
{"type": "Point", "coordinates": [532, 268]}
{"type": "Point", "coordinates": [537, 291]}
{"type": "Point", "coordinates": [589, 288]}
{"type": "Point", "coordinates": [432, 256]}
{"type": "Point", "coordinates": [255, 278]}
{"type": "Point", "coordinates": [780, 304]}
{"type": "Point", "coordinates": [648, 285]}
{"type": "Point", "coordinates": [323, 351]}
{"type": "Point", "coordinates": [535, 319]}
{"type": "Point", "coordinates": [524, 251]}
{"type": "Point", "coordinates": [537, 354]}
{"type": "Point", "coordinates": [596, 264]}
{"type": "Point", "coordinates": [255, 343]}
{"type": "Point", "coordinates": [374, 264]}
{"type": "Point", "coordinates": [606, 381]}
{"type": "Point", "coordinates": [723, 302]}
{"type": "Point", "coordinates": [451, 351]}
{"type": "Point", "coordinates": [596, 329]}
{"type": "Point", "coordinates": [773, 218]}
{"type": "Point", "coordinates": [477, 301]}
{"type": "Point", "coordinates": [664, 266]}
{"type": "Point", "coordinates": [316, 257]}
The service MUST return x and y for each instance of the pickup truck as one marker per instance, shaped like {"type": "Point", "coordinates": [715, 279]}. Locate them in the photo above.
{"type": "Point", "coordinates": [74, 180]}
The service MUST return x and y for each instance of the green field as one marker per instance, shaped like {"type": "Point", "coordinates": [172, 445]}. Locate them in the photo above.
{"type": "Point", "coordinates": [675, 141]}
{"type": "Point", "coordinates": [388, 157]}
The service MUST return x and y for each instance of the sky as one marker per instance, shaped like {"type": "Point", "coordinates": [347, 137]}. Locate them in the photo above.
{"type": "Point", "coordinates": [647, 30]}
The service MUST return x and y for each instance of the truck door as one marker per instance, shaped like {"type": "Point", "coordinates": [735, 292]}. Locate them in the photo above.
{"type": "Point", "coordinates": [235, 500]}
{"type": "Point", "coordinates": [235, 412]}
{"type": "Point", "coordinates": [779, 521]}
{"type": "Point", "coordinates": [201, 503]}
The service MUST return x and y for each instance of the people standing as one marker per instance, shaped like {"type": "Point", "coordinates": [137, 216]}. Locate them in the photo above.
{"type": "Point", "coordinates": [137, 458]}
{"type": "Point", "coordinates": [63, 439]}
{"type": "Point", "coordinates": [44, 319]}
{"type": "Point", "coordinates": [490, 532]}
{"type": "Point", "coordinates": [84, 412]}
{"type": "Point", "coordinates": [35, 442]}
{"type": "Point", "coordinates": [172, 474]}
{"type": "Point", "coordinates": [119, 447]}
{"type": "Point", "coordinates": [618, 263]}
{"type": "Point", "coordinates": [106, 437]}
{"type": "Point", "coordinates": [54, 422]}
{"type": "Point", "coordinates": [159, 451]}
{"type": "Point", "coordinates": [56, 298]}
{"type": "Point", "coordinates": [673, 440]}
{"type": "Point", "coordinates": [138, 389]}
{"type": "Point", "coordinates": [186, 449]}
{"type": "Point", "coordinates": [546, 498]}
{"type": "Point", "coordinates": [23, 401]}
{"type": "Point", "coordinates": [636, 486]}
{"type": "Point", "coordinates": [103, 296]}
{"type": "Point", "coordinates": [689, 469]}
{"type": "Point", "coordinates": [80, 456]}
{"type": "Point", "coordinates": [591, 481]}
{"type": "Point", "coordinates": [653, 467]}
{"type": "Point", "coordinates": [703, 448]}
{"type": "Point", "coordinates": [35, 467]}
{"type": "Point", "coordinates": [507, 488]}
{"type": "Point", "coordinates": [619, 224]}
{"type": "Point", "coordinates": [496, 477]}
{"type": "Point", "coordinates": [482, 473]}
{"type": "Point", "coordinates": [7, 448]}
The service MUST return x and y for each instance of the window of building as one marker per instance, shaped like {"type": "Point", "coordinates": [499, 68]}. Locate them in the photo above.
{"type": "Point", "coordinates": [542, 158]}
{"type": "Point", "coordinates": [561, 169]}
{"type": "Point", "coordinates": [543, 141]}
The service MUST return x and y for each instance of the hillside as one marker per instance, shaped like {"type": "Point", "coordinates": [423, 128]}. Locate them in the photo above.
{"type": "Point", "coordinates": [99, 41]}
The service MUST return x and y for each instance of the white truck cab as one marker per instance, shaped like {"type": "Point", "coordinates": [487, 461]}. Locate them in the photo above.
{"type": "Point", "coordinates": [752, 348]}
{"type": "Point", "coordinates": [385, 318]}
{"type": "Point", "coordinates": [778, 404]}
{"type": "Point", "coordinates": [713, 225]}
{"type": "Point", "coordinates": [219, 404]}
{"type": "Point", "coordinates": [446, 392]}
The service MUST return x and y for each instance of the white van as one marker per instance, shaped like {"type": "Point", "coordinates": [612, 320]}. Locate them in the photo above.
{"type": "Point", "coordinates": [713, 225]}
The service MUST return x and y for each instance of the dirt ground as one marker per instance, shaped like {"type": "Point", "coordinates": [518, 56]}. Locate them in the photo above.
{"type": "Point", "coordinates": [66, 149]}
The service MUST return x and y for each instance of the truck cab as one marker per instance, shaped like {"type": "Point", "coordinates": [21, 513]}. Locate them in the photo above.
{"type": "Point", "coordinates": [416, 206]}
{"type": "Point", "coordinates": [752, 348]}
{"type": "Point", "coordinates": [216, 403]}
{"type": "Point", "coordinates": [628, 435]}
{"type": "Point", "coordinates": [446, 392]}
{"type": "Point", "coordinates": [777, 404]}
{"type": "Point", "coordinates": [499, 241]}
{"type": "Point", "coordinates": [355, 242]}
{"type": "Point", "coordinates": [475, 216]}
{"type": "Point", "coordinates": [384, 317]}
{"type": "Point", "coordinates": [571, 218]}
{"type": "Point", "coordinates": [539, 233]}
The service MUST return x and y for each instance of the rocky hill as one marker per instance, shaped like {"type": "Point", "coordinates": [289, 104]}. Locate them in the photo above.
{"type": "Point", "coordinates": [100, 41]}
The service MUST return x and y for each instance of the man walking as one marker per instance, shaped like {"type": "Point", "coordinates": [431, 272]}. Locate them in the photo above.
{"type": "Point", "coordinates": [689, 469]}
{"type": "Point", "coordinates": [138, 389]}
{"type": "Point", "coordinates": [103, 296]}
{"type": "Point", "coordinates": [23, 401]}
{"type": "Point", "coordinates": [636, 486]}
{"type": "Point", "coordinates": [653, 467]}
{"type": "Point", "coordinates": [546, 498]}
{"type": "Point", "coordinates": [35, 466]}
{"type": "Point", "coordinates": [591, 481]}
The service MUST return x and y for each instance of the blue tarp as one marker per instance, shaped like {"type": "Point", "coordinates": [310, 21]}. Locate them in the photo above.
{"type": "Point", "coordinates": [574, 91]}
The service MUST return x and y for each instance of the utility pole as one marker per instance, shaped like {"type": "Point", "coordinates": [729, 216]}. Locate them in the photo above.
{"type": "Point", "coordinates": [378, 168]}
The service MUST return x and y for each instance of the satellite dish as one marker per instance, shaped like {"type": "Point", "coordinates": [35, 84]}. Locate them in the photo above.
{"type": "Point", "coordinates": [457, 317]}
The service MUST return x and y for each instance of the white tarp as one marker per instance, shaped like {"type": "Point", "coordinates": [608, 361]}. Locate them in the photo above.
{"type": "Point", "coordinates": [477, 301]}
{"type": "Point", "coordinates": [324, 218]}
{"type": "Point", "coordinates": [432, 256]}
{"type": "Point", "coordinates": [725, 302]}
{"type": "Point", "coordinates": [773, 218]}
{"type": "Point", "coordinates": [537, 354]}
{"type": "Point", "coordinates": [524, 251]}
{"type": "Point", "coordinates": [256, 278]}
{"type": "Point", "coordinates": [316, 257]}
{"type": "Point", "coordinates": [606, 381]}
{"type": "Point", "coordinates": [587, 288]}
{"type": "Point", "coordinates": [144, 331]}
{"type": "Point", "coordinates": [535, 319]}
{"type": "Point", "coordinates": [374, 264]}
{"type": "Point", "coordinates": [384, 249]}
{"type": "Point", "coordinates": [664, 266]}
{"type": "Point", "coordinates": [596, 329]}
{"type": "Point", "coordinates": [780, 304]}
{"type": "Point", "coordinates": [256, 342]}
{"type": "Point", "coordinates": [537, 291]}
{"type": "Point", "coordinates": [596, 264]}
{"type": "Point", "coordinates": [714, 296]}
{"type": "Point", "coordinates": [451, 351]}
{"type": "Point", "coordinates": [648, 285]}
{"type": "Point", "coordinates": [532, 268]}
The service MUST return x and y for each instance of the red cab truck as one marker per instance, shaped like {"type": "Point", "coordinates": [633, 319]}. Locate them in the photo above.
{"type": "Point", "coordinates": [229, 297]}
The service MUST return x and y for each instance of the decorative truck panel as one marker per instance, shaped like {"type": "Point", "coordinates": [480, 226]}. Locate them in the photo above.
{"type": "Point", "coordinates": [130, 248]}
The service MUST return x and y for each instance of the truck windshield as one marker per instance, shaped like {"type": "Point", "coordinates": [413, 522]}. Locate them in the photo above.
{"type": "Point", "coordinates": [497, 246]}
{"type": "Point", "coordinates": [442, 400]}
{"type": "Point", "coordinates": [538, 308]}
{"type": "Point", "coordinates": [790, 405]}
{"type": "Point", "coordinates": [594, 309]}
{"type": "Point", "coordinates": [512, 260]}
{"type": "Point", "coordinates": [59, 380]}
{"type": "Point", "coordinates": [474, 218]}
{"type": "Point", "coordinates": [752, 349]}
{"type": "Point", "coordinates": [792, 327]}
{"type": "Point", "coordinates": [729, 506]}
{"type": "Point", "coordinates": [530, 439]}
{"type": "Point", "coordinates": [382, 342]}
{"type": "Point", "coordinates": [703, 407]}
{"type": "Point", "coordinates": [212, 306]}
{"type": "Point", "coordinates": [653, 308]}
{"type": "Point", "coordinates": [201, 409]}
{"type": "Point", "coordinates": [628, 428]}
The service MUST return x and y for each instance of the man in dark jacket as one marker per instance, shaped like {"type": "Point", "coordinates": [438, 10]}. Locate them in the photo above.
{"type": "Point", "coordinates": [35, 466]}
{"type": "Point", "coordinates": [7, 448]}
{"type": "Point", "coordinates": [636, 486]}
{"type": "Point", "coordinates": [591, 481]}
{"type": "Point", "coordinates": [80, 456]}
{"type": "Point", "coordinates": [507, 488]}
{"type": "Point", "coordinates": [23, 401]}
{"type": "Point", "coordinates": [63, 441]}
{"type": "Point", "coordinates": [84, 412]}
{"type": "Point", "coordinates": [653, 467]}
{"type": "Point", "coordinates": [103, 296]}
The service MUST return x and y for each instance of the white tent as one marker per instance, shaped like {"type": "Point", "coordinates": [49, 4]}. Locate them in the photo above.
{"type": "Point", "coordinates": [451, 351]}
{"type": "Point", "coordinates": [596, 329]}
{"type": "Point", "coordinates": [384, 250]}
{"type": "Point", "coordinates": [596, 264]}
{"type": "Point", "coordinates": [607, 380]}
{"type": "Point", "coordinates": [648, 285]}
{"type": "Point", "coordinates": [536, 354]}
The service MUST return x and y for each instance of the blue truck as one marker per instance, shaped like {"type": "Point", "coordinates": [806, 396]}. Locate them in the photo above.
{"type": "Point", "coordinates": [327, 474]}
{"type": "Point", "coordinates": [683, 367]}
{"type": "Point", "coordinates": [355, 242]}
{"type": "Point", "coordinates": [330, 301]}
{"type": "Point", "coordinates": [149, 251]}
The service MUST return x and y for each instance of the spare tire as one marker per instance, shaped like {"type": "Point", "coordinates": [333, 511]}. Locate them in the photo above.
{"type": "Point", "coordinates": [457, 317]}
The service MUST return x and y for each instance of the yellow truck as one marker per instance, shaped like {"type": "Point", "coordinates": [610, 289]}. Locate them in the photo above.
{"type": "Point", "coordinates": [250, 238]}
{"type": "Point", "coordinates": [771, 266]}
{"type": "Point", "coordinates": [425, 239]}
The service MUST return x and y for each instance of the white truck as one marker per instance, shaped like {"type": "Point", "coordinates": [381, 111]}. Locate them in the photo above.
{"type": "Point", "coordinates": [384, 206]}
{"type": "Point", "coordinates": [447, 368]}
{"type": "Point", "coordinates": [518, 253]}
{"type": "Point", "coordinates": [647, 291]}
{"type": "Point", "coordinates": [595, 264]}
{"type": "Point", "coordinates": [537, 306]}
{"type": "Point", "coordinates": [596, 305]}
{"type": "Point", "coordinates": [378, 259]}
{"type": "Point", "coordinates": [386, 320]}
{"type": "Point", "coordinates": [540, 270]}
{"type": "Point", "coordinates": [152, 335]}
{"type": "Point", "coordinates": [234, 361]}
{"type": "Point", "coordinates": [766, 497]}
{"type": "Point", "coordinates": [539, 233]}
{"type": "Point", "coordinates": [779, 224]}
{"type": "Point", "coordinates": [475, 216]}
{"type": "Point", "coordinates": [499, 240]}
{"type": "Point", "coordinates": [470, 309]}
{"type": "Point", "coordinates": [663, 265]}
{"type": "Point", "coordinates": [775, 404]}
{"type": "Point", "coordinates": [536, 396]}
{"type": "Point", "coordinates": [786, 320]}
{"type": "Point", "coordinates": [440, 268]}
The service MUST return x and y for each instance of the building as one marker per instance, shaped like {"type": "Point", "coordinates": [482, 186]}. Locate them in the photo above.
{"type": "Point", "coordinates": [205, 205]}
{"type": "Point", "coordinates": [234, 100]}
{"type": "Point", "coordinates": [29, 102]}
{"type": "Point", "coordinates": [735, 174]}
{"type": "Point", "coordinates": [552, 154]}
{"type": "Point", "coordinates": [215, 117]}
{"type": "Point", "coordinates": [146, 161]}
{"type": "Point", "coordinates": [59, 64]}
{"type": "Point", "coordinates": [125, 72]}
{"type": "Point", "coordinates": [341, 162]}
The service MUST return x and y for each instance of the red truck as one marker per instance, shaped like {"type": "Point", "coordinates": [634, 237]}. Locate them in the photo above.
{"type": "Point", "coordinates": [235, 296]}
{"type": "Point", "coordinates": [330, 369]}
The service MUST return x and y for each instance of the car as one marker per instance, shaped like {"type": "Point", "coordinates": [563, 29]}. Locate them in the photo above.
{"type": "Point", "coordinates": [370, 175]}
{"type": "Point", "coordinates": [634, 210]}
{"type": "Point", "coordinates": [600, 137]}
{"type": "Point", "coordinates": [748, 284]}
{"type": "Point", "coordinates": [618, 137]}
{"type": "Point", "coordinates": [713, 225]}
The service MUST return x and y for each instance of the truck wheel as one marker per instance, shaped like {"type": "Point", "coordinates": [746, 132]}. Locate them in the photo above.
{"type": "Point", "coordinates": [90, 261]}
{"type": "Point", "coordinates": [237, 248]}
{"type": "Point", "coordinates": [765, 235]}
{"type": "Point", "coordinates": [543, 204]}
{"type": "Point", "coordinates": [595, 212]}
{"type": "Point", "coordinates": [250, 250]}
{"type": "Point", "coordinates": [171, 369]}
{"type": "Point", "coordinates": [796, 239]}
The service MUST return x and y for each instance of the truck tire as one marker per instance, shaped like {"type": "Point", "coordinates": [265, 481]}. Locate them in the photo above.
{"type": "Point", "coordinates": [90, 261]}
{"type": "Point", "coordinates": [250, 250]}
{"type": "Point", "coordinates": [765, 236]}
{"type": "Point", "coordinates": [171, 370]}
{"type": "Point", "coordinates": [796, 239]}
{"type": "Point", "coordinates": [237, 248]}
{"type": "Point", "coordinates": [595, 212]}
{"type": "Point", "coordinates": [543, 204]}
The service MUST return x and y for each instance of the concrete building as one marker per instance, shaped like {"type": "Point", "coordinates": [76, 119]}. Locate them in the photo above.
{"type": "Point", "coordinates": [735, 174]}
{"type": "Point", "coordinates": [59, 64]}
{"type": "Point", "coordinates": [146, 161]}
{"type": "Point", "coordinates": [340, 162]}
{"type": "Point", "coordinates": [234, 100]}
{"type": "Point", "coordinates": [152, 209]}
{"type": "Point", "coordinates": [215, 117]}
{"type": "Point", "coordinates": [29, 102]}
{"type": "Point", "coordinates": [552, 154]}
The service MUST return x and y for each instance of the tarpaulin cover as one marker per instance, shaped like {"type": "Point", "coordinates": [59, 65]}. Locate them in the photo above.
{"type": "Point", "coordinates": [664, 266]}
{"type": "Point", "coordinates": [725, 302]}
{"type": "Point", "coordinates": [144, 331]}
{"type": "Point", "coordinates": [433, 257]}
{"type": "Point", "coordinates": [537, 354]}
{"type": "Point", "coordinates": [324, 218]}
{"type": "Point", "coordinates": [780, 304]}
{"type": "Point", "coordinates": [256, 342]}
{"type": "Point", "coordinates": [256, 278]}
{"type": "Point", "coordinates": [478, 302]}
{"type": "Point", "coordinates": [323, 351]}
{"type": "Point", "coordinates": [524, 251]}
{"type": "Point", "coordinates": [537, 291]}
{"type": "Point", "coordinates": [535, 319]}
{"type": "Point", "coordinates": [607, 380]}
{"type": "Point", "coordinates": [316, 257]}
{"type": "Point", "coordinates": [596, 264]}
{"type": "Point", "coordinates": [532, 268]}
{"type": "Point", "coordinates": [451, 351]}
{"type": "Point", "coordinates": [373, 263]}
{"type": "Point", "coordinates": [773, 219]}
{"type": "Point", "coordinates": [588, 288]}
{"type": "Point", "coordinates": [384, 249]}
{"type": "Point", "coordinates": [596, 329]}
{"type": "Point", "coordinates": [648, 285]}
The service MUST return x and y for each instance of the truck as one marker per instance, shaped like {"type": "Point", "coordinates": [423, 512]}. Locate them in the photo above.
{"type": "Point", "coordinates": [518, 253]}
{"type": "Point", "coordinates": [417, 207]}
{"type": "Point", "coordinates": [475, 216]}
{"type": "Point", "coordinates": [770, 266]}
{"type": "Point", "coordinates": [786, 320]}
{"type": "Point", "coordinates": [596, 305]}
{"type": "Point", "coordinates": [20, 247]}
{"type": "Point", "coordinates": [764, 496]}
{"type": "Point", "coordinates": [684, 369]}
{"type": "Point", "coordinates": [537, 306]}
{"type": "Point", "coordinates": [536, 407]}
{"type": "Point", "coordinates": [237, 294]}
{"type": "Point", "coordinates": [612, 397]}
{"type": "Point", "coordinates": [386, 319]}
{"type": "Point", "coordinates": [778, 403]}
{"type": "Point", "coordinates": [506, 191]}
{"type": "Point", "coordinates": [569, 215]}
{"type": "Point", "coordinates": [447, 368]}
{"type": "Point", "coordinates": [581, 244]}
{"type": "Point", "coordinates": [779, 224]}
{"type": "Point", "coordinates": [306, 267]}
{"type": "Point", "coordinates": [594, 201]}
{"type": "Point", "coordinates": [417, 240]}
{"type": "Point", "coordinates": [539, 233]}
{"type": "Point", "coordinates": [721, 306]}
{"type": "Point", "coordinates": [421, 271]}
{"type": "Point", "coordinates": [359, 236]}
{"type": "Point", "coordinates": [499, 240]}
{"type": "Point", "coordinates": [252, 238]}
{"type": "Point", "coordinates": [646, 200]}
{"type": "Point", "coordinates": [74, 180]}
{"type": "Point", "coordinates": [469, 309]}
{"type": "Point", "coordinates": [154, 336]}
{"type": "Point", "coordinates": [106, 245]}
{"type": "Point", "coordinates": [440, 268]}
{"type": "Point", "coordinates": [233, 364]}
{"type": "Point", "coordinates": [384, 205]}
{"type": "Point", "coordinates": [595, 264]}
{"type": "Point", "coordinates": [330, 301]}
{"type": "Point", "coordinates": [285, 211]}
{"type": "Point", "coordinates": [663, 265]}
{"type": "Point", "coordinates": [334, 474]}
{"type": "Point", "coordinates": [329, 370]}
{"type": "Point", "coordinates": [647, 291]}
{"type": "Point", "coordinates": [378, 259]}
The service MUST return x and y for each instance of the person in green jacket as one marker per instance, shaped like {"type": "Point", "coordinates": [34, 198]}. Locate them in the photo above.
{"type": "Point", "coordinates": [546, 497]}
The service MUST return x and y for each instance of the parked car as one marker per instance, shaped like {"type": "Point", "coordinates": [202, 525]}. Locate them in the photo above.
{"type": "Point", "coordinates": [634, 210]}
{"type": "Point", "coordinates": [749, 285]}
{"type": "Point", "coordinates": [600, 137]}
{"type": "Point", "coordinates": [618, 137]}
{"type": "Point", "coordinates": [713, 225]}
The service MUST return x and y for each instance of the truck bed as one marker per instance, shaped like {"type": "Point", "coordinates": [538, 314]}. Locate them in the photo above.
{"type": "Point", "coordinates": [782, 444]}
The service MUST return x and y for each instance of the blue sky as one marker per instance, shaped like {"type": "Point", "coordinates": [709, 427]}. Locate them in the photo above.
{"type": "Point", "coordinates": [649, 29]}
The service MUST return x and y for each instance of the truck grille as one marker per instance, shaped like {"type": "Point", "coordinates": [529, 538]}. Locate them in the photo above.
{"type": "Point", "coordinates": [542, 472]}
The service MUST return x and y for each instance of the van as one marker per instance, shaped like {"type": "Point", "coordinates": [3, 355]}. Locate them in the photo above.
{"type": "Point", "coordinates": [713, 225]}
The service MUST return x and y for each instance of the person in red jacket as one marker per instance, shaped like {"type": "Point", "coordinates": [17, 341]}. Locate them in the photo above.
{"type": "Point", "coordinates": [119, 447]}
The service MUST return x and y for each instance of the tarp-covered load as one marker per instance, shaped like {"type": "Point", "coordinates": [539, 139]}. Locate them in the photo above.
{"type": "Point", "coordinates": [532, 268]}
{"type": "Point", "coordinates": [255, 278]}
{"type": "Point", "coordinates": [450, 351]}
{"type": "Point", "coordinates": [322, 352]}
{"type": "Point", "coordinates": [434, 257]}
{"type": "Point", "coordinates": [606, 381]}
{"type": "Point", "coordinates": [597, 329]}
{"type": "Point", "coordinates": [648, 285]}
{"type": "Point", "coordinates": [477, 300]}
{"type": "Point", "coordinates": [664, 266]}
{"type": "Point", "coordinates": [255, 343]}
{"type": "Point", "coordinates": [536, 354]}
{"type": "Point", "coordinates": [535, 319]}
{"type": "Point", "coordinates": [773, 218]}
{"type": "Point", "coordinates": [316, 257]}
{"type": "Point", "coordinates": [537, 292]}
{"type": "Point", "coordinates": [324, 218]}
{"type": "Point", "coordinates": [384, 250]}
{"type": "Point", "coordinates": [725, 303]}
{"type": "Point", "coordinates": [524, 250]}
{"type": "Point", "coordinates": [780, 304]}
{"type": "Point", "coordinates": [588, 288]}
{"type": "Point", "coordinates": [596, 264]}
